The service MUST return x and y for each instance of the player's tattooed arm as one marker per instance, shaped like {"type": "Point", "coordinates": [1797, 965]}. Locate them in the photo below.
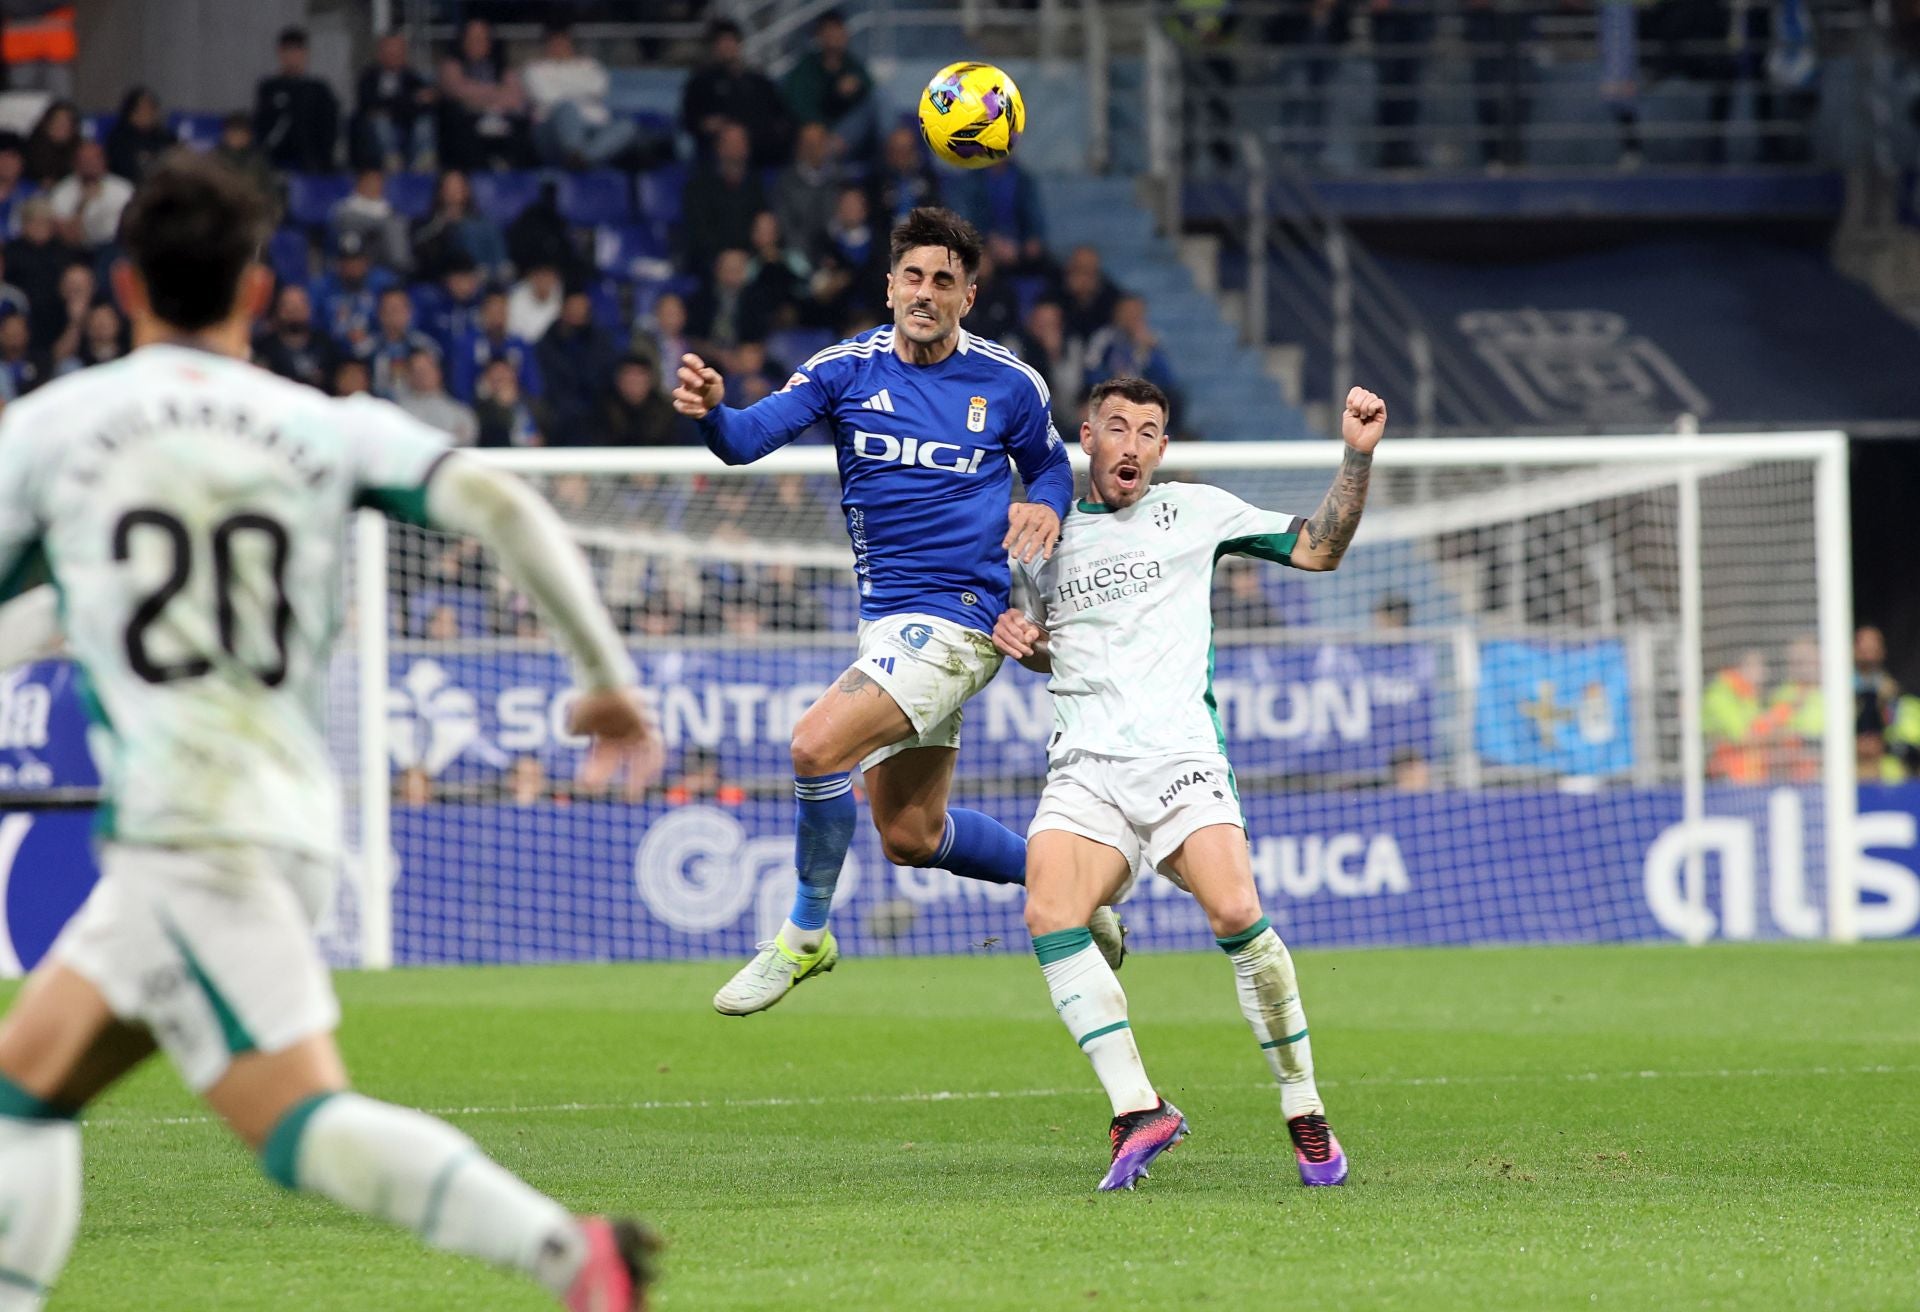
{"type": "Point", "coordinates": [1329, 532]}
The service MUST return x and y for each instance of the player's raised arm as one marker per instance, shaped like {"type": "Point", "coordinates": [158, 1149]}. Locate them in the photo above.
{"type": "Point", "coordinates": [1328, 532]}
{"type": "Point", "coordinates": [1033, 525]}
{"type": "Point", "coordinates": [741, 437]}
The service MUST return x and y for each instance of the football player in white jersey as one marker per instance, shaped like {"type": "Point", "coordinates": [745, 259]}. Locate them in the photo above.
{"type": "Point", "coordinates": [1122, 609]}
{"type": "Point", "coordinates": [189, 509]}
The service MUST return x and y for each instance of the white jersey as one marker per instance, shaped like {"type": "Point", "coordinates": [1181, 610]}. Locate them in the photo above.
{"type": "Point", "coordinates": [190, 508]}
{"type": "Point", "coordinates": [1128, 600]}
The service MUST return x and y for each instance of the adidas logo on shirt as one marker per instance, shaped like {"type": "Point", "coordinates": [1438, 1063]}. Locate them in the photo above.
{"type": "Point", "coordinates": [878, 401]}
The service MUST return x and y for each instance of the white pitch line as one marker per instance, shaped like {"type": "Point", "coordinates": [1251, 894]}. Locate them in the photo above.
{"type": "Point", "coordinates": [999, 1095]}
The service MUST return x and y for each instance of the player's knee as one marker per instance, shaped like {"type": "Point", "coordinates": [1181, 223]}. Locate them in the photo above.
{"type": "Point", "coordinates": [815, 752]}
{"type": "Point", "coordinates": [1046, 916]}
{"type": "Point", "coordinates": [909, 844]}
{"type": "Point", "coordinates": [1234, 914]}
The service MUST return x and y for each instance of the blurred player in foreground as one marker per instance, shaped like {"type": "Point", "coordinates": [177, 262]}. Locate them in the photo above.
{"type": "Point", "coordinates": [1120, 613]}
{"type": "Point", "coordinates": [927, 420]}
{"type": "Point", "coordinates": [189, 506]}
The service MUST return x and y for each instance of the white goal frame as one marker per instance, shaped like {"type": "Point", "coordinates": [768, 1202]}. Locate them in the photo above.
{"type": "Point", "coordinates": [1683, 460]}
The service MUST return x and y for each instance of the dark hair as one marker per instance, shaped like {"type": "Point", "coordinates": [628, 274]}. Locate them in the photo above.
{"type": "Point", "coordinates": [1137, 390]}
{"type": "Point", "coordinates": [929, 225]}
{"type": "Point", "coordinates": [292, 36]}
{"type": "Point", "coordinates": [720, 27]}
{"type": "Point", "coordinates": [190, 231]}
{"type": "Point", "coordinates": [831, 18]}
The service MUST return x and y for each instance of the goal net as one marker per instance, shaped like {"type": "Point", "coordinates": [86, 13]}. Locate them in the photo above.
{"type": "Point", "coordinates": [1559, 690]}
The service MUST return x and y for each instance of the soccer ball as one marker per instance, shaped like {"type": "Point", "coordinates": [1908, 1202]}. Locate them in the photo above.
{"type": "Point", "coordinates": [971, 114]}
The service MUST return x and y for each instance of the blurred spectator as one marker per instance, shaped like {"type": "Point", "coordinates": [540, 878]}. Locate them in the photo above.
{"type": "Point", "coordinates": [831, 86]}
{"type": "Point", "coordinates": [721, 199]}
{"type": "Point", "coordinates": [850, 282]}
{"type": "Point", "coordinates": [35, 261]}
{"type": "Point", "coordinates": [1087, 296]}
{"type": "Point", "coordinates": [455, 230]}
{"type": "Point", "coordinates": [662, 333]}
{"type": "Point", "coordinates": [87, 205]}
{"type": "Point", "coordinates": [482, 106]}
{"type": "Point", "coordinates": [576, 363]}
{"type": "Point", "coordinates": [424, 396]}
{"type": "Point", "coordinates": [1392, 612]}
{"type": "Point", "coordinates": [450, 309]}
{"type": "Point", "coordinates": [413, 787]}
{"type": "Point", "coordinates": [1129, 346]}
{"type": "Point", "coordinates": [904, 181]}
{"type": "Point", "coordinates": [366, 211]}
{"type": "Point", "coordinates": [699, 780]}
{"type": "Point", "coordinates": [1411, 772]}
{"type": "Point", "coordinates": [1401, 31]}
{"type": "Point", "coordinates": [534, 303]}
{"type": "Point", "coordinates": [348, 295]}
{"type": "Point", "coordinates": [14, 188]}
{"type": "Point", "coordinates": [103, 337]}
{"type": "Point", "coordinates": [1880, 701]}
{"type": "Point", "coordinates": [568, 91]}
{"type": "Point", "coordinates": [350, 378]}
{"type": "Point", "coordinates": [726, 311]}
{"type": "Point", "coordinates": [296, 117]}
{"type": "Point", "coordinates": [492, 340]}
{"type": "Point", "coordinates": [394, 342]}
{"type": "Point", "coordinates": [140, 135]}
{"type": "Point", "coordinates": [1739, 729]}
{"type": "Point", "coordinates": [22, 368]}
{"type": "Point", "coordinates": [291, 345]}
{"type": "Point", "coordinates": [1044, 344]}
{"type": "Point", "coordinates": [779, 272]}
{"type": "Point", "coordinates": [749, 376]}
{"type": "Point", "coordinates": [1003, 202]}
{"type": "Point", "coordinates": [12, 299]}
{"type": "Point", "coordinates": [239, 152]}
{"type": "Point", "coordinates": [393, 112]}
{"type": "Point", "coordinates": [539, 235]}
{"type": "Point", "coordinates": [1240, 599]}
{"type": "Point", "coordinates": [51, 145]}
{"type": "Point", "coordinates": [1798, 704]}
{"type": "Point", "coordinates": [724, 90]}
{"type": "Point", "coordinates": [996, 302]}
{"type": "Point", "coordinates": [77, 288]}
{"type": "Point", "coordinates": [807, 191]}
{"type": "Point", "coordinates": [636, 412]}
{"type": "Point", "coordinates": [506, 418]}
{"type": "Point", "coordinates": [1314, 34]}
{"type": "Point", "coordinates": [527, 783]}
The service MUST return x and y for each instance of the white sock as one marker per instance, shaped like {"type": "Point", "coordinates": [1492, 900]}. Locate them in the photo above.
{"type": "Point", "coordinates": [1089, 1000]}
{"type": "Point", "coordinates": [1270, 1000]}
{"type": "Point", "coordinates": [801, 940]}
{"type": "Point", "coordinates": [39, 1205]}
{"type": "Point", "coordinates": [407, 1167]}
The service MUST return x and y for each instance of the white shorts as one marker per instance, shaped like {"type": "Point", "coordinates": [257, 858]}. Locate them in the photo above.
{"type": "Point", "coordinates": [211, 949]}
{"type": "Point", "coordinates": [930, 667]}
{"type": "Point", "coordinates": [1141, 807]}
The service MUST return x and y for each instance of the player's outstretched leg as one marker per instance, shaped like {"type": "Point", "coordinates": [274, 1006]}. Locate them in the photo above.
{"type": "Point", "coordinates": [804, 947]}
{"type": "Point", "coordinates": [39, 1195]}
{"type": "Point", "coordinates": [1070, 876]}
{"type": "Point", "coordinates": [410, 1169]}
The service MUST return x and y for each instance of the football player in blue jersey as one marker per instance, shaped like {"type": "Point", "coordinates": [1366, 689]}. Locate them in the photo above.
{"type": "Point", "coordinates": [929, 422]}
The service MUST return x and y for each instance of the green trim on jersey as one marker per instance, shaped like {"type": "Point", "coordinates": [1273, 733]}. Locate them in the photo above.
{"type": "Point", "coordinates": [1277, 547]}
{"type": "Point", "coordinates": [1094, 507]}
{"type": "Point", "coordinates": [408, 505]}
{"type": "Point", "coordinates": [17, 1280]}
{"type": "Point", "coordinates": [28, 572]}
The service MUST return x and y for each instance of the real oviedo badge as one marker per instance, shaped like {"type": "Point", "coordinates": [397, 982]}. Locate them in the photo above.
{"type": "Point", "coordinates": [977, 415]}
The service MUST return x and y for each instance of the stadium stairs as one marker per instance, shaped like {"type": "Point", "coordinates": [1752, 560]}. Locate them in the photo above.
{"type": "Point", "coordinates": [1229, 395]}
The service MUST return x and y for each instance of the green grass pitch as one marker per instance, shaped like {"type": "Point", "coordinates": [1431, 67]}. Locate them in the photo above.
{"type": "Point", "coordinates": [1729, 1127]}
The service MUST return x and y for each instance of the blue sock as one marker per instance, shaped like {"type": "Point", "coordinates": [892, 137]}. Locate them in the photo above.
{"type": "Point", "coordinates": [822, 836]}
{"type": "Point", "coordinates": [979, 847]}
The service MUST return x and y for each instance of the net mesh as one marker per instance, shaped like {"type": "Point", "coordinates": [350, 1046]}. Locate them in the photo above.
{"type": "Point", "coordinates": [1473, 731]}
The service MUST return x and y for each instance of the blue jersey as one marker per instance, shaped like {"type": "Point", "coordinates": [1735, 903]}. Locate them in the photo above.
{"type": "Point", "coordinates": [927, 454]}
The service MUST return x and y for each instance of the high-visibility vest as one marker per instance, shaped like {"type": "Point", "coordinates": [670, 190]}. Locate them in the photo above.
{"type": "Point", "coordinates": [47, 39]}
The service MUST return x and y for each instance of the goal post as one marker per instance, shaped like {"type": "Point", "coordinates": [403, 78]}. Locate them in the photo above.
{"type": "Point", "coordinates": [1520, 712]}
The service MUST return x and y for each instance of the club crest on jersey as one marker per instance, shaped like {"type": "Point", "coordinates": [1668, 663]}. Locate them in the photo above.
{"type": "Point", "coordinates": [1164, 515]}
{"type": "Point", "coordinates": [977, 415]}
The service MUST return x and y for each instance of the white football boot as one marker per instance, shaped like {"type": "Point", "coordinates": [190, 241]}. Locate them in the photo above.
{"type": "Point", "coordinates": [772, 974]}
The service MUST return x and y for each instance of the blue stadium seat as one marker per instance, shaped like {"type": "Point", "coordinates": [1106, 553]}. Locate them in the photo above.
{"type": "Point", "coordinates": [287, 255]}
{"type": "Point", "coordinates": [501, 196]}
{"type": "Point", "coordinates": [634, 251]}
{"type": "Point", "coordinates": [411, 193]}
{"type": "Point", "coordinates": [94, 127]}
{"type": "Point", "coordinates": [609, 310]}
{"type": "Point", "coordinates": [660, 193]}
{"type": "Point", "coordinates": [591, 199]}
{"type": "Point", "coordinates": [201, 131]}
{"type": "Point", "coordinates": [312, 196]}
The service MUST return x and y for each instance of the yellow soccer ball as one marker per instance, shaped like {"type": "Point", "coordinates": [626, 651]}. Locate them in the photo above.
{"type": "Point", "coordinates": [972, 114]}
